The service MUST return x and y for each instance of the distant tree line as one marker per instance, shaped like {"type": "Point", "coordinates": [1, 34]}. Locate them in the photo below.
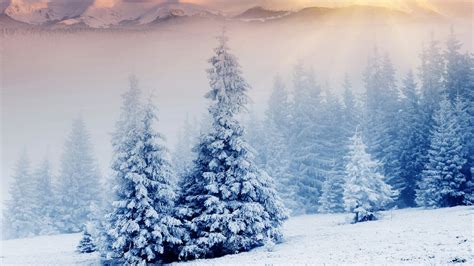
{"type": "Point", "coordinates": [419, 135]}
{"type": "Point", "coordinates": [41, 203]}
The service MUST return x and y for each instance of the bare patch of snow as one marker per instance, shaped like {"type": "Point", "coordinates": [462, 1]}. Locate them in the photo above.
{"type": "Point", "coordinates": [409, 236]}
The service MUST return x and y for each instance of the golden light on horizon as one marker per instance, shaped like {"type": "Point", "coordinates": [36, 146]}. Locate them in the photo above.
{"type": "Point", "coordinates": [104, 3]}
{"type": "Point", "coordinates": [395, 4]}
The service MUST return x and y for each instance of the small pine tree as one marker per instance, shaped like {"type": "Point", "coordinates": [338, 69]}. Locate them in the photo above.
{"type": "Point", "coordinates": [365, 191]}
{"type": "Point", "coordinates": [228, 204]}
{"type": "Point", "coordinates": [442, 180]}
{"type": "Point", "coordinates": [20, 216]}
{"type": "Point", "coordinates": [44, 196]}
{"type": "Point", "coordinates": [86, 245]}
{"type": "Point", "coordinates": [332, 193]}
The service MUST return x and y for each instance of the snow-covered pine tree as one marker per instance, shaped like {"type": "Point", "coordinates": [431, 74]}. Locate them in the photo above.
{"type": "Point", "coordinates": [458, 68]}
{"type": "Point", "coordinates": [459, 84]}
{"type": "Point", "coordinates": [442, 181]}
{"type": "Point", "coordinates": [333, 187]}
{"type": "Point", "coordinates": [123, 138]}
{"type": "Point", "coordinates": [304, 133]}
{"type": "Point", "coordinates": [255, 136]}
{"type": "Point", "coordinates": [381, 123]}
{"type": "Point", "coordinates": [365, 191]}
{"type": "Point", "coordinates": [279, 107]}
{"type": "Point", "coordinates": [229, 205]}
{"type": "Point", "coordinates": [86, 244]}
{"type": "Point", "coordinates": [331, 200]}
{"type": "Point", "coordinates": [469, 198]}
{"type": "Point", "coordinates": [461, 110]}
{"type": "Point", "coordinates": [98, 219]}
{"type": "Point", "coordinates": [331, 143]}
{"type": "Point", "coordinates": [183, 154]}
{"type": "Point", "coordinates": [78, 184]}
{"type": "Point", "coordinates": [431, 76]}
{"type": "Point", "coordinates": [141, 227]}
{"type": "Point", "coordinates": [411, 141]}
{"type": "Point", "coordinates": [277, 124]}
{"type": "Point", "coordinates": [45, 199]}
{"type": "Point", "coordinates": [351, 110]}
{"type": "Point", "coordinates": [20, 219]}
{"type": "Point", "coordinates": [391, 144]}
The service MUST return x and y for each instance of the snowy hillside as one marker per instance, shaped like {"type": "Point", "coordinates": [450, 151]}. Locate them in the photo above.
{"type": "Point", "coordinates": [410, 236]}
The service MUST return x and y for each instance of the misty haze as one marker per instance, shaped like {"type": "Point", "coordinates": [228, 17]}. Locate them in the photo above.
{"type": "Point", "coordinates": [236, 132]}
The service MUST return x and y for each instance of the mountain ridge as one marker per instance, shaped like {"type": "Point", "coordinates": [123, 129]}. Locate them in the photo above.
{"type": "Point", "coordinates": [86, 14]}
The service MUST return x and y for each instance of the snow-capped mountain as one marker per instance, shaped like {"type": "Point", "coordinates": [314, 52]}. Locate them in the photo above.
{"type": "Point", "coordinates": [100, 13]}
{"type": "Point", "coordinates": [42, 12]}
{"type": "Point", "coordinates": [175, 10]}
{"type": "Point", "coordinates": [259, 13]}
{"type": "Point", "coordinates": [122, 13]}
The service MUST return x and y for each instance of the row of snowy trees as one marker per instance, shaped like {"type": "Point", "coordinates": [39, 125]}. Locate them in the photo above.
{"type": "Point", "coordinates": [395, 146]}
{"type": "Point", "coordinates": [222, 204]}
{"type": "Point", "coordinates": [420, 137]}
{"type": "Point", "coordinates": [42, 203]}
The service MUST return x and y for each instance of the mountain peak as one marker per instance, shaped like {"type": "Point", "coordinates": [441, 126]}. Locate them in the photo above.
{"type": "Point", "coordinates": [44, 11]}
{"type": "Point", "coordinates": [100, 13]}
{"type": "Point", "coordinates": [261, 13]}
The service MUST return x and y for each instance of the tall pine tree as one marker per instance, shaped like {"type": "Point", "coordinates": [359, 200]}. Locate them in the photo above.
{"type": "Point", "coordinates": [381, 117]}
{"type": "Point", "coordinates": [332, 141]}
{"type": "Point", "coordinates": [229, 205]}
{"type": "Point", "coordinates": [79, 181]}
{"type": "Point", "coordinates": [276, 131]}
{"type": "Point", "coordinates": [442, 181]}
{"type": "Point", "coordinates": [306, 114]}
{"type": "Point", "coordinates": [411, 141]}
{"type": "Point", "coordinates": [459, 85]}
{"type": "Point", "coordinates": [431, 77]}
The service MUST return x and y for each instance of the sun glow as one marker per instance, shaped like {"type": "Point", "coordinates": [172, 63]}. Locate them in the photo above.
{"type": "Point", "coordinates": [405, 5]}
{"type": "Point", "coordinates": [104, 3]}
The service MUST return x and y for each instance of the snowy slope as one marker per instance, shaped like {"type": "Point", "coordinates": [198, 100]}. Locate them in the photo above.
{"type": "Point", "coordinates": [44, 250]}
{"type": "Point", "coordinates": [411, 236]}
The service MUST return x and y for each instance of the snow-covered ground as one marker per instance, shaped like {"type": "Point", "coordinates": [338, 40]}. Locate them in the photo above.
{"type": "Point", "coordinates": [411, 236]}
